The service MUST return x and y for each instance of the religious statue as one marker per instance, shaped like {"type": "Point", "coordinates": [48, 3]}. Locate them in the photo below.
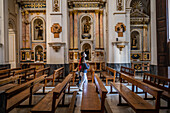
{"type": "Point", "coordinates": [86, 29]}
{"type": "Point", "coordinates": [39, 54]}
{"type": "Point", "coordinates": [39, 31]}
{"type": "Point", "coordinates": [87, 26]}
{"type": "Point", "coordinates": [56, 6]}
{"type": "Point", "coordinates": [134, 43]}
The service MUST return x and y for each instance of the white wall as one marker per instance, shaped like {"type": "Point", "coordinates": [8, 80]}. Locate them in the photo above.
{"type": "Point", "coordinates": [4, 31]}
{"type": "Point", "coordinates": [61, 56]}
{"type": "Point", "coordinates": [113, 53]}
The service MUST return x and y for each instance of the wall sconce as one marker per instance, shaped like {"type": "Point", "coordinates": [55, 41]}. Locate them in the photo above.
{"type": "Point", "coordinates": [120, 44]}
{"type": "Point", "coordinates": [56, 45]}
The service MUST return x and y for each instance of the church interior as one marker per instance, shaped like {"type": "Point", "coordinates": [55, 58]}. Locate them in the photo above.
{"type": "Point", "coordinates": [118, 51]}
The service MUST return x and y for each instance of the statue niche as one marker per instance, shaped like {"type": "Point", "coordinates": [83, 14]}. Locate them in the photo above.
{"type": "Point", "coordinates": [87, 49]}
{"type": "Point", "coordinates": [135, 40]}
{"type": "Point", "coordinates": [86, 27]}
{"type": "Point", "coordinates": [38, 54]}
{"type": "Point", "coordinates": [38, 28]}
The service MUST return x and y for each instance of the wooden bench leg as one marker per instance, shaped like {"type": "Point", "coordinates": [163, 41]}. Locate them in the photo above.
{"type": "Point", "coordinates": [30, 99]}
{"type": "Point", "coordinates": [146, 95]}
{"type": "Point", "coordinates": [45, 85]}
{"type": "Point", "coordinates": [120, 101]}
{"type": "Point", "coordinates": [3, 104]}
{"type": "Point", "coordinates": [63, 99]}
{"type": "Point", "coordinates": [168, 104]}
{"type": "Point", "coordinates": [53, 81]}
{"type": "Point", "coordinates": [111, 89]}
{"type": "Point", "coordinates": [106, 82]}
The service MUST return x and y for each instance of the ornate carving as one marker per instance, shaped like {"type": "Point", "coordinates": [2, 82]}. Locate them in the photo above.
{"type": "Point", "coordinates": [56, 7]}
{"type": "Point", "coordinates": [120, 28]}
{"type": "Point", "coordinates": [26, 17]}
{"type": "Point", "coordinates": [56, 29]}
{"type": "Point", "coordinates": [119, 5]}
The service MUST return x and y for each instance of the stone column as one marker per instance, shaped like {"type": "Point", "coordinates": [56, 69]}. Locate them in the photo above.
{"type": "Point", "coordinates": [101, 30]}
{"type": "Point", "coordinates": [145, 43]}
{"type": "Point", "coordinates": [23, 30]}
{"type": "Point", "coordinates": [27, 29]}
{"type": "Point", "coordinates": [71, 30]}
{"type": "Point", "coordinates": [97, 29]}
{"type": "Point", "coordinates": [75, 31]}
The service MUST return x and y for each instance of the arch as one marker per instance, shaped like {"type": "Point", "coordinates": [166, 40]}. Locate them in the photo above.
{"type": "Point", "coordinates": [38, 22]}
{"type": "Point", "coordinates": [91, 47]}
{"type": "Point", "coordinates": [87, 48]}
{"type": "Point", "coordinates": [39, 53]}
{"type": "Point", "coordinates": [128, 2]}
{"type": "Point", "coordinates": [135, 40]}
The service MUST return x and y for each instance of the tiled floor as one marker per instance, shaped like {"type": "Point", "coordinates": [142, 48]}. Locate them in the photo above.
{"type": "Point", "coordinates": [111, 98]}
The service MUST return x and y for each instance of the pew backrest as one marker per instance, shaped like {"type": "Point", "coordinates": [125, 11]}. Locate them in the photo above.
{"type": "Point", "coordinates": [145, 87]}
{"type": "Point", "coordinates": [42, 72]}
{"type": "Point", "coordinates": [157, 81]}
{"type": "Point", "coordinates": [129, 71]}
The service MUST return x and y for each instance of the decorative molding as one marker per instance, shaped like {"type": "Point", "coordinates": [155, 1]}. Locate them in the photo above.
{"type": "Point", "coordinates": [120, 5]}
{"type": "Point", "coordinates": [56, 29]}
{"type": "Point", "coordinates": [56, 6]}
{"type": "Point", "coordinates": [36, 5]}
{"type": "Point", "coordinates": [56, 45]}
{"type": "Point", "coordinates": [120, 44]}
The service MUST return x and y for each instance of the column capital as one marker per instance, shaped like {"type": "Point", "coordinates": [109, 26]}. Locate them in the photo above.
{"type": "Point", "coordinates": [101, 11]}
{"type": "Point", "coordinates": [71, 12]}
{"type": "Point", "coordinates": [75, 11]}
{"type": "Point", "coordinates": [26, 12]}
{"type": "Point", "coordinates": [96, 11]}
{"type": "Point", "coordinates": [23, 13]}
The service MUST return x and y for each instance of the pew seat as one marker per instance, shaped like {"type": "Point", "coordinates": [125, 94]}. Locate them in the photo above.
{"type": "Point", "coordinates": [138, 104]}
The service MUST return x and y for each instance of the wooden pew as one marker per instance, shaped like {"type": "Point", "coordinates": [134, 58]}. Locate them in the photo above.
{"type": "Point", "coordinates": [90, 74]}
{"type": "Point", "coordinates": [107, 74]}
{"type": "Point", "coordinates": [75, 76]}
{"type": "Point", "coordinates": [8, 72]}
{"type": "Point", "coordinates": [39, 73]}
{"type": "Point", "coordinates": [26, 73]}
{"type": "Point", "coordinates": [50, 102]}
{"type": "Point", "coordinates": [91, 103]}
{"type": "Point", "coordinates": [11, 79]}
{"type": "Point", "coordinates": [134, 101]}
{"type": "Point", "coordinates": [57, 73]}
{"type": "Point", "coordinates": [161, 83]}
{"type": "Point", "coordinates": [128, 71]}
{"type": "Point", "coordinates": [14, 96]}
{"type": "Point", "coordinates": [3, 68]}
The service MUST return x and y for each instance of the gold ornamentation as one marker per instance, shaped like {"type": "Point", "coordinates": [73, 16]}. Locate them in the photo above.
{"type": "Point", "coordinates": [56, 29]}
{"type": "Point", "coordinates": [120, 28]}
{"type": "Point", "coordinates": [56, 7]}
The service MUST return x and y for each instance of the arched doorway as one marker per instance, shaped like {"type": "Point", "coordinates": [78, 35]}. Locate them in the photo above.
{"type": "Point", "coordinates": [12, 43]}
